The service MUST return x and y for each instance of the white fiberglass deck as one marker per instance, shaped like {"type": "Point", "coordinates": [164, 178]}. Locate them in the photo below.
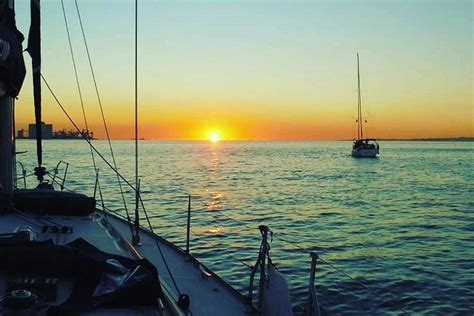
{"type": "Point", "coordinates": [208, 294]}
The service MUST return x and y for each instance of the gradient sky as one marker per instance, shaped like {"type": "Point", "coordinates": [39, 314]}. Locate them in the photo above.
{"type": "Point", "coordinates": [262, 69]}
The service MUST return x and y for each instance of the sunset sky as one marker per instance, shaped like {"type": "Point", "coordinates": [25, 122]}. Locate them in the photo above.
{"type": "Point", "coordinates": [261, 69]}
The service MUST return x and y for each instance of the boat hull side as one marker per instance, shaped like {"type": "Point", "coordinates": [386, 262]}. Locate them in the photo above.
{"type": "Point", "coordinates": [364, 153]}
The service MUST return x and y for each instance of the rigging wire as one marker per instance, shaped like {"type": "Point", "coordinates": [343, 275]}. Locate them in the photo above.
{"type": "Point", "coordinates": [77, 81]}
{"type": "Point", "coordinates": [172, 223]}
{"type": "Point", "coordinates": [371, 291]}
{"type": "Point", "coordinates": [138, 196]}
{"type": "Point", "coordinates": [101, 108]}
{"type": "Point", "coordinates": [89, 142]}
{"type": "Point", "coordinates": [85, 139]}
{"type": "Point", "coordinates": [118, 174]}
{"type": "Point", "coordinates": [136, 152]}
{"type": "Point", "coordinates": [245, 224]}
{"type": "Point", "coordinates": [80, 94]}
{"type": "Point", "coordinates": [215, 245]}
{"type": "Point", "coordinates": [114, 168]}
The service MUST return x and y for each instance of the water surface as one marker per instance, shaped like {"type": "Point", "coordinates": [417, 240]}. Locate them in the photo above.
{"type": "Point", "coordinates": [401, 226]}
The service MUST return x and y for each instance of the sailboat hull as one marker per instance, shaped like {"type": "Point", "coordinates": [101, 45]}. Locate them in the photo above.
{"type": "Point", "coordinates": [364, 153]}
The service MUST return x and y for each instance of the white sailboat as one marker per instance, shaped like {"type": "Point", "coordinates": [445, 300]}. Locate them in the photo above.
{"type": "Point", "coordinates": [362, 147]}
{"type": "Point", "coordinates": [62, 254]}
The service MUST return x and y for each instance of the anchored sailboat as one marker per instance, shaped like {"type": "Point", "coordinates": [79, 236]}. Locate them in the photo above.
{"type": "Point", "coordinates": [362, 147]}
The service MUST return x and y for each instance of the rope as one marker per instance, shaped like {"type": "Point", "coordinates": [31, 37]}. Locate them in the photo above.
{"type": "Point", "coordinates": [101, 109]}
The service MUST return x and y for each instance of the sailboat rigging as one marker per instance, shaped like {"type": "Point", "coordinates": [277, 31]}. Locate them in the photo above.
{"type": "Point", "coordinates": [66, 255]}
{"type": "Point", "coordinates": [362, 147]}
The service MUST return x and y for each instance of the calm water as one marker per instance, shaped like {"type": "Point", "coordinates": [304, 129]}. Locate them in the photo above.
{"type": "Point", "coordinates": [402, 224]}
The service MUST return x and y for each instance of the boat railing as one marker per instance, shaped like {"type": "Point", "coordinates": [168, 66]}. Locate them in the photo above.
{"type": "Point", "coordinates": [60, 179]}
{"type": "Point", "coordinates": [22, 177]}
{"type": "Point", "coordinates": [57, 177]}
{"type": "Point", "coordinates": [260, 264]}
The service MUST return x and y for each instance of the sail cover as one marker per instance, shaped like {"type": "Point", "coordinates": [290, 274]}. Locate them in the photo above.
{"type": "Point", "coordinates": [12, 65]}
{"type": "Point", "coordinates": [100, 280]}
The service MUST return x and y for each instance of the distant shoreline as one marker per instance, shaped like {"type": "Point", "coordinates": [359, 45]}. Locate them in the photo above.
{"type": "Point", "coordinates": [434, 139]}
{"type": "Point", "coordinates": [437, 139]}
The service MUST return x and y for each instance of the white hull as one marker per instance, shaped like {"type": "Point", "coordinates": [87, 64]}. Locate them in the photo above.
{"type": "Point", "coordinates": [365, 153]}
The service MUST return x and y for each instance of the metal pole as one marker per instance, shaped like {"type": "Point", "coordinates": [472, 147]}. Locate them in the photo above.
{"type": "Point", "coordinates": [261, 284]}
{"type": "Point", "coordinates": [6, 144]}
{"type": "Point", "coordinates": [96, 182]}
{"type": "Point", "coordinates": [188, 229]}
{"type": "Point", "coordinates": [6, 137]}
{"type": "Point", "coordinates": [360, 133]}
{"type": "Point", "coordinates": [14, 153]}
{"type": "Point", "coordinates": [313, 304]}
{"type": "Point", "coordinates": [136, 104]}
{"type": "Point", "coordinates": [136, 236]}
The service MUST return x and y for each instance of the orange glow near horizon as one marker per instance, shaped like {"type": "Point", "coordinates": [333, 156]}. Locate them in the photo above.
{"type": "Point", "coordinates": [255, 127]}
{"type": "Point", "coordinates": [240, 72]}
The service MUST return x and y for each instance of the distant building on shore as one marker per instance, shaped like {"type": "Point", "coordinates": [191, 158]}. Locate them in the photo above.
{"type": "Point", "coordinates": [46, 130]}
{"type": "Point", "coordinates": [48, 133]}
{"type": "Point", "coordinates": [21, 134]}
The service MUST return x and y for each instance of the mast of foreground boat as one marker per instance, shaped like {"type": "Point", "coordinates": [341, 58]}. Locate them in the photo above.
{"type": "Point", "coordinates": [136, 236]}
{"type": "Point", "coordinates": [360, 133]}
{"type": "Point", "coordinates": [6, 136]}
{"type": "Point", "coordinates": [34, 50]}
{"type": "Point", "coordinates": [6, 143]}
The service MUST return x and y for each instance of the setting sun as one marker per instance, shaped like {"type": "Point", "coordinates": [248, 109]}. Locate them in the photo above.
{"type": "Point", "coordinates": [214, 137]}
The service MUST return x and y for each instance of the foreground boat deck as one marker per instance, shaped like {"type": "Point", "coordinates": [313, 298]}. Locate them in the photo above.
{"type": "Point", "coordinates": [208, 294]}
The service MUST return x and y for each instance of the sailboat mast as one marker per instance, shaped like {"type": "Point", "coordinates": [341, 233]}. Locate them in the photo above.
{"type": "Point", "coordinates": [6, 136]}
{"type": "Point", "coordinates": [34, 49]}
{"type": "Point", "coordinates": [360, 133]}
{"type": "Point", "coordinates": [136, 238]}
{"type": "Point", "coordinates": [136, 100]}
{"type": "Point", "coordinates": [6, 141]}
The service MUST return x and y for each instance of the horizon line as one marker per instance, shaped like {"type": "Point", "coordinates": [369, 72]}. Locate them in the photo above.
{"type": "Point", "coordinates": [459, 138]}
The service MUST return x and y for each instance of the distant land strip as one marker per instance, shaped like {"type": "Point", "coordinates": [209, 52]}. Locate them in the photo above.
{"type": "Point", "coordinates": [435, 139]}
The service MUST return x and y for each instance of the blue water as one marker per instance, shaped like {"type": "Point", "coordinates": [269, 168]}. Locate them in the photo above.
{"type": "Point", "coordinates": [401, 226]}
